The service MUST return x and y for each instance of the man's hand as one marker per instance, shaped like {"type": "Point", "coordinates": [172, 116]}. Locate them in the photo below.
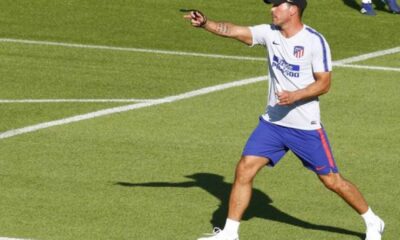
{"type": "Point", "coordinates": [286, 98]}
{"type": "Point", "coordinates": [197, 18]}
{"type": "Point", "coordinates": [314, 90]}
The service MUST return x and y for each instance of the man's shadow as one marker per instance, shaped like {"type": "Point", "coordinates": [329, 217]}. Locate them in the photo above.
{"type": "Point", "coordinates": [379, 5]}
{"type": "Point", "coordinates": [260, 205]}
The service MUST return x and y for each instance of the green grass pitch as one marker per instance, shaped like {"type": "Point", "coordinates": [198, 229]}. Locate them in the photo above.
{"type": "Point", "coordinates": [164, 172]}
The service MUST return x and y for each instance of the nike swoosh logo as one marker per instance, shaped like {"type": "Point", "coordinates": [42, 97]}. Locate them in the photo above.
{"type": "Point", "coordinates": [275, 43]}
{"type": "Point", "coordinates": [320, 168]}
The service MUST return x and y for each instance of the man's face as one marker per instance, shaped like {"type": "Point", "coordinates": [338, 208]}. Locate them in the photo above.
{"type": "Point", "coordinates": [281, 13]}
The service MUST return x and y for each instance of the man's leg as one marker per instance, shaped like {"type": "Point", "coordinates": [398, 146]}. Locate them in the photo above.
{"type": "Point", "coordinates": [265, 146]}
{"type": "Point", "coordinates": [393, 7]}
{"type": "Point", "coordinates": [366, 8]}
{"type": "Point", "coordinates": [346, 190]}
{"type": "Point", "coordinates": [246, 170]}
{"type": "Point", "coordinates": [352, 196]}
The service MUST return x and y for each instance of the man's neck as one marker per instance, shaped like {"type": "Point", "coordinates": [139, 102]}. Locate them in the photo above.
{"type": "Point", "coordinates": [291, 29]}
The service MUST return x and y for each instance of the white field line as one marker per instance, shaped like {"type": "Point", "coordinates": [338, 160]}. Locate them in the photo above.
{"type": "Point", "coordinates": [126, 49]}
{"type": "Point", "coordinates": [368, 67]}
{"type": "Point", "coordinates": [368, 56]}
{"type": "Point", "coordinates": [6, 238]}
{"type": "Point", "coordinates": [114, 110]}
{"type": "Point", "coordinates": [340, 63]}
{"type": "Point", "coordinates": [74, 101]}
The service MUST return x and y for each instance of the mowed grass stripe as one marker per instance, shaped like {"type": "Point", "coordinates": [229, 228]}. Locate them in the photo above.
{"type": "Point", "coordinates": [169, 99]}
{"type": "Point", "coordinates": [45, 72]}
{"type": "Point", "coordinates": [109, 111]}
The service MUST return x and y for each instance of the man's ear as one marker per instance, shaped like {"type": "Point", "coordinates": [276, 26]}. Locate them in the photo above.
{"type": "Point", "coordinates": [294, 10]}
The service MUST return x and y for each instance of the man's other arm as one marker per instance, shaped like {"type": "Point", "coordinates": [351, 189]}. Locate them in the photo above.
{"type": "Point", "coordinates": [319, 87]}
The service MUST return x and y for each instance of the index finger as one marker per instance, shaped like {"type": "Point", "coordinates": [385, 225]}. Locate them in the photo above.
{"type": "Point", "coordinates": [187, 10]}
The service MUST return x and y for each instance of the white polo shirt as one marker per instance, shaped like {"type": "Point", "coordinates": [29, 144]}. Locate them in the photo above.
{"type": "Point", "coordinates": [292, 62]}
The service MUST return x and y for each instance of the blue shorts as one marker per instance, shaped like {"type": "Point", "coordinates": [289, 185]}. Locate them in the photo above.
{"type": "Point", "coordinates": [310, 146]}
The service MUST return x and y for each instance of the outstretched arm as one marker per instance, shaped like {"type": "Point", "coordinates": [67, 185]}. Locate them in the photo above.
{"type": "Point", "coordinates": [224, 29]}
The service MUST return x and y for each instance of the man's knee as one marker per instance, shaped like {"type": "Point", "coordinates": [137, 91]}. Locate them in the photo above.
{"type": "Point", "coordinates": [248, 167]}
{"type": "Point", "coordinates": [334, 182]}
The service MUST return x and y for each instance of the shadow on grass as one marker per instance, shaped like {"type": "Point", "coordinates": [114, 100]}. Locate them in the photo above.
{"type": "Point", "coordinates": [260, 205]}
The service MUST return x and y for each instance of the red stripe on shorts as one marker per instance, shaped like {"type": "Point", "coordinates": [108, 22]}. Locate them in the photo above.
{"type": "Point", "coordinates": [326, 148]}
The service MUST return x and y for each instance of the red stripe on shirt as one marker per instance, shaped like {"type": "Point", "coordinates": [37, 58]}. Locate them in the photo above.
{"type": "Point", "coordinates": [326, 148]}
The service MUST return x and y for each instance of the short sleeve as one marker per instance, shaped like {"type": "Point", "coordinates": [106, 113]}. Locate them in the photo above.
{"type": "Point", "coordinates": [259, 34]}
{"type": "Point", "coordinates": [322, 60]}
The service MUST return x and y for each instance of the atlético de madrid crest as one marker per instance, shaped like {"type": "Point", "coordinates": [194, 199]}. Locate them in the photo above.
{"type": "Point", "coordinates": [298, 51]}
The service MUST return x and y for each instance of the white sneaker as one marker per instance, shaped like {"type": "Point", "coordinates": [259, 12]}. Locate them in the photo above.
{"type": "Point", "coordinates": [219, 234]}
{"type": "Point", "coordinates": [375, 230]}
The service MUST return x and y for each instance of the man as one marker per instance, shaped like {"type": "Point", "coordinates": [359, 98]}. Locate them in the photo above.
{"type": "Point", "coordinates": [367, 9]}
{"type": "Point", "coordinates": [299, 71]}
